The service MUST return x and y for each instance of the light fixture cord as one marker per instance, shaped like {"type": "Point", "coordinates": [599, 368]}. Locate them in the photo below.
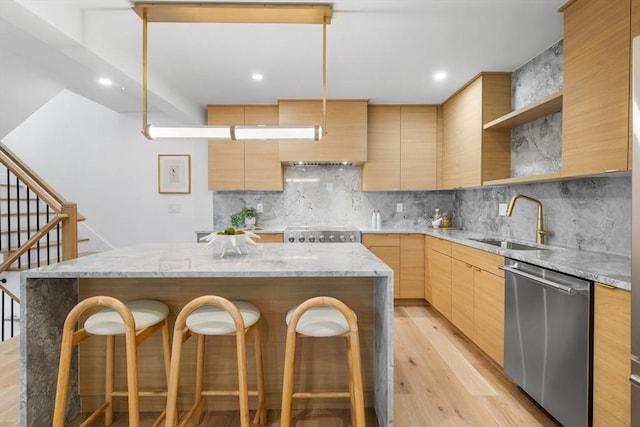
{"type": "Point", "coordinates": [144, 70]}
{"type": "Point", "coordinates": [324, 75]}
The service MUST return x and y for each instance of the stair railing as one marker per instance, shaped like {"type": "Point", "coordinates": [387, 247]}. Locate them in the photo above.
{"type": "Point", "coordinates": [50, 228]}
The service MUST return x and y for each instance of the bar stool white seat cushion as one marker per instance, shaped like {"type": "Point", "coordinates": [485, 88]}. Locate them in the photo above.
{"type": "Point", "coordinates": [213, 320]}
{"type": "Point", "coordinates": [145, 313]}
{"type": "Point", "coordinates": [321, 322]}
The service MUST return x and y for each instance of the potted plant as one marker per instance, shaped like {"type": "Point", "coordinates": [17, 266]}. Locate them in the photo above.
{"type": "Point", "coordinates": [246, 216]}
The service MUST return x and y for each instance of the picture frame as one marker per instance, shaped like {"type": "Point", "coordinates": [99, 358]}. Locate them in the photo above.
{"type": "Point", "coordinates": [174, 173]}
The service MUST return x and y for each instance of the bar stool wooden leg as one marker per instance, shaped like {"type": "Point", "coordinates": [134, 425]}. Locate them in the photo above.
{"type": "Point", "coordinates": [199, 378]}
{"type": "Point", "coordinates": [109, 378]}
{"type": "Point", "coordinates": [261, 411]}
{"type": "Point", "coordinates": [210, 316]}
{"type": "Point", "coordinates": [327, 317]}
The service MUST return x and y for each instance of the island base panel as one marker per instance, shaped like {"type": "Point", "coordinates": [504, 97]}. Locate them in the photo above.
{"type": "Point", "coordinates": [321, 366]}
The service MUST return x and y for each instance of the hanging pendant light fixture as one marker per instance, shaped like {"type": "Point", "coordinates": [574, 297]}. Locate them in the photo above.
{"type": "Point", "coordinates": [232, 13]}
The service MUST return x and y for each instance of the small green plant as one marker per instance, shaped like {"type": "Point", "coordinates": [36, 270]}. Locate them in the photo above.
{"type": "Point", "coordinates": [237, 219]}
{"type": "Point", "coordinates": [230, 231]}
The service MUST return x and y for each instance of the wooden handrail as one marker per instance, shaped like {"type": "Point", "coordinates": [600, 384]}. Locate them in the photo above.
{"type": "Point", "coordinates": [13, 256]}
{"type": "Point", "coordinates": [8, 292]}
{"type": "Point", "coordinates": [26, 174]}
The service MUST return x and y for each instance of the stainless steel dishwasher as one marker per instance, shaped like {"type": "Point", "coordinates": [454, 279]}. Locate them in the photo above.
{"type": "Point", "coordinates": [548, 339]}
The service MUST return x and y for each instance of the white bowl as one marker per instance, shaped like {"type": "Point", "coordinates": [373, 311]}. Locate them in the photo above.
{"type": "Point", "coordinates": [436, 224]}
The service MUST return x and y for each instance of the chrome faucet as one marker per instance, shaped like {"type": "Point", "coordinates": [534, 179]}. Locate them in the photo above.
{"type": "Point", "coordinates": [540, 231]}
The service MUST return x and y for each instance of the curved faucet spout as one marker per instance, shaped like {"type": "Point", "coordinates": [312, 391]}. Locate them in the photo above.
{"type": "Point", "coordinates": [541, 233]}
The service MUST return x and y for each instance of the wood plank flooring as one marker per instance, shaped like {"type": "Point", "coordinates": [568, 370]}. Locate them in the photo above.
{"type": "Point", "coordinates": [440, 380]}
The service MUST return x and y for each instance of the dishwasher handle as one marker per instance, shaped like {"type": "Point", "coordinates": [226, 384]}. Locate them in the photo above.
{"type": "Point", "coordinates": [635, 380]}
{"type": "Point", "coordinates": [545, 282]}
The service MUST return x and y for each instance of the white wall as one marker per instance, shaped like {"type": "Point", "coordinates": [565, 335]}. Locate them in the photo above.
{"type": "Point", "coordinates": [98, 159]}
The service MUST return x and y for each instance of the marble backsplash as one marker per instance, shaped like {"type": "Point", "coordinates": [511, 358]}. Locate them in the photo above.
{"type": "Point", "coordinates": [536, 147]}
{"type": "Point", "coordinates": [589, 214]}
{"type": "Point", "coordinates": [330, 195]}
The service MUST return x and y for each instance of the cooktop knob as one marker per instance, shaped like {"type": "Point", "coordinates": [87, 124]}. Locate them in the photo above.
{"type": "Point", "coordinates": [352, 238]}
{"type": "Point", "coordinates": [312, 238]}
{"type": "Point", "coordinates": [321, 238]}
{"type": "Point", "coordinates": [342, 238]}
{"type": "Point", "coordinates": [301, 239]}
{"type": "Point", "coordinates": [332, 238]}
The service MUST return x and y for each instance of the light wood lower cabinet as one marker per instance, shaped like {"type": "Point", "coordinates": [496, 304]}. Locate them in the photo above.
{"type": "Point", "coordinates": [488, 314]}
{"type": "Point", "coordinates": [270, 238]}
{"type": "Point", "coordinates": [468, 289]}
{"type": "Point", "coordinates": [440, 269]}
{"type": "Point", "coordinates": [611, 356]}
{"type": "Point", "coordinates": [404, 253]}
{"type": "Point", "coordinates": [462, 296]}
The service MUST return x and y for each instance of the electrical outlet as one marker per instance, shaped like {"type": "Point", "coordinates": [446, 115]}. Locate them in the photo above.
{"type": "Point", "coordinates": [398, 207]}
{"type": "Point", "coordinates": [259, 208]}
{"type": "Point", "coordinates": [502, 209]}
{"type": "Point", "coordinates": [175, 208]}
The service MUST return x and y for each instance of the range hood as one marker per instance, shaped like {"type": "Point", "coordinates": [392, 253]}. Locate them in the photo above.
{"type": "Point", "coordinates": [311, 163]}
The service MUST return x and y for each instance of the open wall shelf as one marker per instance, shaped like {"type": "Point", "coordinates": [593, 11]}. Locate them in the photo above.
{"type": "Point", "coordinates": [548, 105]}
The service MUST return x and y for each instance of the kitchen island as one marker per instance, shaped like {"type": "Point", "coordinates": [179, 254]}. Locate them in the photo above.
{"type": "Point", "coordinates": [275, 277]}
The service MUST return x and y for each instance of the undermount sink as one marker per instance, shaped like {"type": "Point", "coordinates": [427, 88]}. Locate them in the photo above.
{"type": "Point", "coordinates": [506, 244]}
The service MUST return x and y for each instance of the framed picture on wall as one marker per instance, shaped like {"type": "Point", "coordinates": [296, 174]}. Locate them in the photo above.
{"type": "Point", "coordinates": [174, 173]}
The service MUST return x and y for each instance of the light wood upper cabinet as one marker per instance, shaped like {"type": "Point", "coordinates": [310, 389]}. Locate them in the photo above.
{"type": "Point", "coordinates": [596, 93]}
{"type": "Point", "coordinates": [401, 148]}
{"type": "Point", "coordinates": [471, 154]}
{"type": "Point", "coordinates": [611, 355]}
{"type": "Point", "coordinates": [381, 172]}
{"type": "Point", "coordinates": [244, 165]}
{"type": "Point", "coordinates": [346, 138]}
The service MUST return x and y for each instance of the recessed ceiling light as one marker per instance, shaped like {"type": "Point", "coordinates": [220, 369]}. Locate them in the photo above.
{"type": "Point", "coordinates": [105, 81]}
{"type": "Point", "coordinates": [256, 76]}
{"type": "Point", "coordinates": [439, 76]}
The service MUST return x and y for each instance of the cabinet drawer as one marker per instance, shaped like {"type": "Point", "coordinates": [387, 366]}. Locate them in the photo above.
{"type": "Point", "coordinates": [370, 240]}
{"type": "Point", "coordinates": [440, 245]}
{"type": "Point", "coordinates": [484, 260]}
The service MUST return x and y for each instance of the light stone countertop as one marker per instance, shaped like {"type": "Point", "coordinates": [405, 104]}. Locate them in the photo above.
{"type": "Point", "coordinates": [192, 260]}
{"type": "Point", "coordinates": [610, 269]}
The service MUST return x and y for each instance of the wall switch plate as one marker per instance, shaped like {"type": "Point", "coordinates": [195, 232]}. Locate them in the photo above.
{"type": "Point", "coordinates": [259, 208]}
{"type": "Point", "coordinates": [175, 208]}
{"type": "Point", "coordinates": [502, 209]}
{"type": "Point", "coordinates": [398, 207]}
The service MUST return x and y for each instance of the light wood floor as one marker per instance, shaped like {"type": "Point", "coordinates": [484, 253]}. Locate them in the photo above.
{"type": "Point", "coordinates": [440, 380]}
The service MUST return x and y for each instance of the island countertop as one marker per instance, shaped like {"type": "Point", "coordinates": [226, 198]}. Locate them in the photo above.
{"type": "Point", "coordinates": [193, 260]}
{"type": "Point", "coordinates": [274, 276]}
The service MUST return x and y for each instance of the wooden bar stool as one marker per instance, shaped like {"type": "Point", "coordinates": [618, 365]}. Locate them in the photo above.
{"type": "Point", "coordinates": [136, 320]}
{"type": "Point", "coordinates": [323, 317]}
{"type": "Point", "coordinates": [213, 316]}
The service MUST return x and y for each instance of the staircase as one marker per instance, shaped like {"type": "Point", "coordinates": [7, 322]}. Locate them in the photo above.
{"type": "Point", "coordinates": [37, 227]}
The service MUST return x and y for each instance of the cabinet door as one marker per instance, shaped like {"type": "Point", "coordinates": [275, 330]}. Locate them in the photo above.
{"type": "Point", "coordinates": [381, 172]}
{"type": "Point", "coordinates": [440, 266]}
{"type": "Point", "coordinates": [488, 314]}
{"type": "Point", "coordinates": [226, 158]}
{"type": "Point", "coordinates": [595, 104]}
{"type": "Point", "coordinates": [411, 266]}
{"type": "Point", "coordinates": [270, 238]}
{"type": "Point", "coordinates": [611, 355]}
{"type": "Point", "coordinates": [462, 296]}
{"type": "Point", "coordinates": [391, 256]}
{"type": "Point", "coordinates": [346, 138]}
{"type": "Point", "coordinates": [226, 166]}
{"type": "Point", "coordinates": [418, 144]}
{"type": "Point", "coordinates": [462, 137]}
{"type": "Point", "coordinates": [427, 273]}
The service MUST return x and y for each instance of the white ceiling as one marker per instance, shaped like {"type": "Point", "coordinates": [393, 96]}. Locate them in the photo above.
{"type": "Point", "coordinates": [386, 51]}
